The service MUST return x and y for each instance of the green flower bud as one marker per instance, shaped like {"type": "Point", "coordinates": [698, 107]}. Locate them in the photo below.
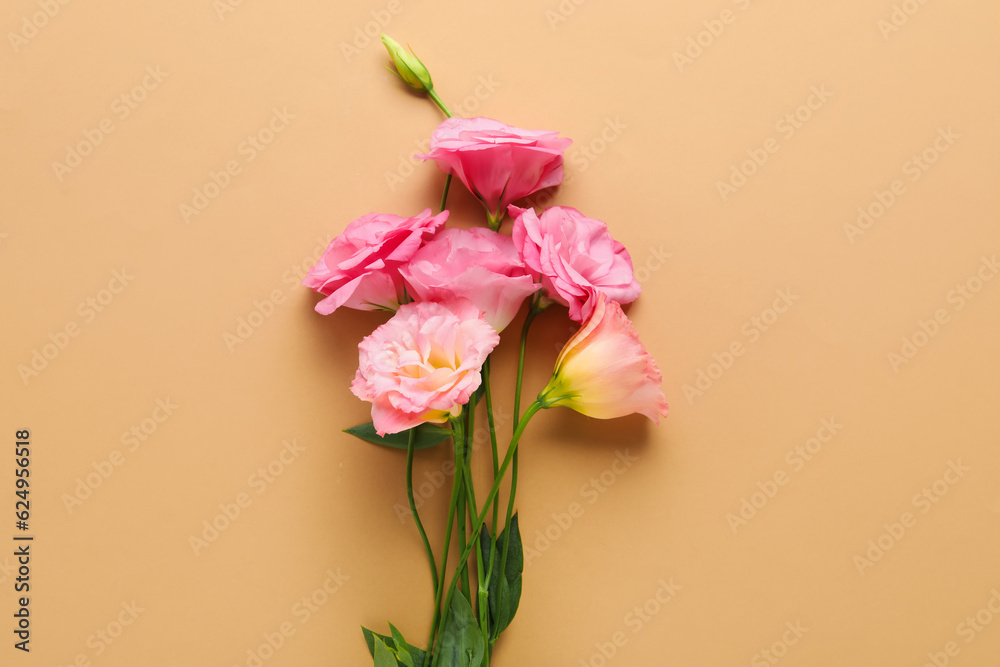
{"type": "Point", "coordinates": [408, 66]}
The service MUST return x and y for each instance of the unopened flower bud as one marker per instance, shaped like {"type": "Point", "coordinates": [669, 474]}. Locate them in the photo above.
{"type": "Point", "coordinates": [408, 66]}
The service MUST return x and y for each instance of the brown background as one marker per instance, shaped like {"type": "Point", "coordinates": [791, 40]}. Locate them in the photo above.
{"type": "Point", "coordinates": [654, 137]}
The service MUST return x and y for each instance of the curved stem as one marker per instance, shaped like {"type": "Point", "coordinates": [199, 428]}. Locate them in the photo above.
{"type": "Point", "coordinates": [413, 508]}
{"type": "Point", "coordinates": [444, 195]}
{"type": "Point", "coordinates": [436, 618]}
{"type": "Point", "coordinates": [493, 435]}
{"type": "Point", "coordinates": [510, 511]}
{"type": "Point", "coordinates": [481, 519]}
{"type": "Point", "coordinates": [528, 319]}
{"type": "Point", "coordinates": [470, 489]}
{"type": "Point", "coordinates": [460, 518]}
{"type": "Point", "coordinates": [482, 606]}
{"type": "Point", "coordinates": [447, 112]}
{"type": "Point", "coordinates": [495, 512]}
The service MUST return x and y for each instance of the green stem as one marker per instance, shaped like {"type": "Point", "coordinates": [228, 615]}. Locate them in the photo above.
{"type": "Point", "coordinates": [529, 318]}
{"type": "Point", "coordinates": [441, 105]}
{"type": "Point", "coordinates": [494, 220]}
{"type": "Point", "coordinates": [496, 500]}
{"type": "Point", "coordinates": [481, 519]}
{"type": "Point", "coordinates": [460, 509]}
{"type": "Point", "coordinates": [469, 439]}
{"type": "Point", "coordinates": [493, 435]}
{"type": "Point", "coordinates": [470, 488]}
{"type": "Point", "coordinates": [444, 195]}
{"type": "Point", "coordinates": [436, 618]}
{"type": "Point", "coordinates": [482, 605]}
{"type": "Point", "coordinates": [447, 112]}
{"type": "Point", "coordinates": [413, 508]}
{"type": "Point", "coordinates": [510, 511]}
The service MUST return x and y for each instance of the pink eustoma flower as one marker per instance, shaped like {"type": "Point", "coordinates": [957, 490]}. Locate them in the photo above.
{"type": "Point", "coordinates": [572, 254]}
{"type": "Point", "coordinates": [360, 268]}
{"type": "Point", "coordinates": [423, 364]}
{"type": "Point", "coordinates": [499, 164]}
{"type": "Point", "coordinates": [476, 264]}
{"type": "Point", "coordinates": [604, 371]}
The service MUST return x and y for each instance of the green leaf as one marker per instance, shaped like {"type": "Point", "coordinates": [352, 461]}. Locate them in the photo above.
{"type": "Point", "coordinates": [370, 639]}
{"type": "Point", "coordinates": [428, 435]}
{"type": "Point", "coordinates": [462, 645]}
{"type": "Point", "coordinates": [505, 590]}
{"type": "Point", "coordinates": [416, 655]}
{"type": "Point", "coordinates": [402, 647]}
{"type": "Point", "coordinates": [383, 656]}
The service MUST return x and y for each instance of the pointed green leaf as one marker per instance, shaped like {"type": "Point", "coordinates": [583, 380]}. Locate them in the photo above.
{"type": "Point", "coordinates": [461, 645]}
{"type": "Point", "coordinates": [428, 435]}
{"type": "Point", "coordinates": [416, 655]}
{"type": "Point", "coordinates": [505, 589]}
{"type": "Point", "coordinates": [402, 647]}
{"type": "Point", "coordinates": [370, 639]}
{"type": "Point", "coordinates": [383, 656]}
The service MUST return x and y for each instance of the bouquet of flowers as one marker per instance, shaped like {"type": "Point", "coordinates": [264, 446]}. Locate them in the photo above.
{"type": "Point", "coordinates": [451, 292]}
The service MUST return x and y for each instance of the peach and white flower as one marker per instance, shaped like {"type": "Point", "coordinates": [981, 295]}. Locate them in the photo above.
{"type": "Point", "coordinates": [604, 371]}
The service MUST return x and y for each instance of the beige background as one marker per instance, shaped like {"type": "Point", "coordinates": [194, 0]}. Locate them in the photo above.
{"type": "Point", "coordinates": [654, 138]}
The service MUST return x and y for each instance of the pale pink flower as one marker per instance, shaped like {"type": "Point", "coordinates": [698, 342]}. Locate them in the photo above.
{"type": "Point", "coordinates": [498, 163]}
{"type": "Point", "coordinates": [573, 253]}
{"type": "Point", "coordinates": [476, 264]}
{"type": "Point", "coordinates": [423, 364]}
{"type": "Point", "coordinates": [360, 268]}
{"type": "Point", "coordinates": [604, 371]}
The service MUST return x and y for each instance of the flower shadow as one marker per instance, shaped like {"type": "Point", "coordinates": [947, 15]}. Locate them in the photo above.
{"type": "Point", "coordinates": [333, 339]}
{"type": "Point", "coordinates": [571, 429]}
